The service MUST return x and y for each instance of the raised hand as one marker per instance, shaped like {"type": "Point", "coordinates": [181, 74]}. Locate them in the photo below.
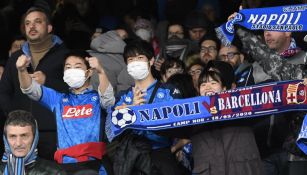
{"type": "Point", "coordinates": [158, 63]}
{"type": "Point", "coordinates": [94, 64]}
{"type": "Point", "coordinates": [138, 96]}
{"type": "Point", "coordinates": [22, 62]}
{"type": "Point", "coordinates": [39, 77]}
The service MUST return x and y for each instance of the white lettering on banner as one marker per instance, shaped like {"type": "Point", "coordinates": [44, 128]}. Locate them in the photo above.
{"type": "Point", "coordinates": [247, 100]}
{"type": "Point", "coordinates": [82, 111]}
{"type": "Point", "coordinates": [284, 18]}
{"type": "Point", "coordinates": [300, 8]}
{"type": "Point", "coordinates": [178, 110]}
{"type": "Point", "coordinates": [182, 123]}
{"type": "Point", "coordinates": [277, 27]}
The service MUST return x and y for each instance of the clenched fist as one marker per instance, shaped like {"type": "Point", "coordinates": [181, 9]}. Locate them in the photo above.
{"type": "Point", "coordinates": [94, 64]}
{"type": "Point", "coordinates": [22, 62]}
{"type": "Point", "coordinates": [39, 77]}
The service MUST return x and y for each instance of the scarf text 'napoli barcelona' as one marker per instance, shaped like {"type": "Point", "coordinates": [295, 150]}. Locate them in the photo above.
{"type": "Point", "coordinates": [241, 103]}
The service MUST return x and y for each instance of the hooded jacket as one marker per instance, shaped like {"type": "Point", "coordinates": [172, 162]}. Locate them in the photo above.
{"type": "Point", "coordinates": [109, 49]}
{"type": "Point", "coordinates": [30, 164]}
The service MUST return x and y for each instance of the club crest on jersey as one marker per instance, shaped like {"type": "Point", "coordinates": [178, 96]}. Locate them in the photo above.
{"type": "Point", "coordinates": [81, 111]}
{"type": "Point", "coordinates": [128, 99]}
{"type": "Point", "coordinates": [160, 95]}
{"type": "Point", "coordinates": [94, 98]}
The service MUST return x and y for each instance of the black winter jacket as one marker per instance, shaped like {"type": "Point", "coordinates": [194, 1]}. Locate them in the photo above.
{"type": "Point", "coordinates": [11, 97]}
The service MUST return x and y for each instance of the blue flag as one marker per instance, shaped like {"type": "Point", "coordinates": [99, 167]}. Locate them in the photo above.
{"type": "Point", "coordinates": [302, 137]}
{"type": "Point", "coordinates": [284, 18]}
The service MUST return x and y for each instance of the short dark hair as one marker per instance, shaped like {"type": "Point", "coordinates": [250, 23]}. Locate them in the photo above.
{"type": "Point", "coordinates": [171, 62]}
{"type": "Point", "coordinates": [204, 77]}
{"type": "Point", "coordinates": [196, 62]}
{"type": "Point", "coordinates": [80, 54]}
{"type": "Point", "coordinates": [30, 10]}
{"type": "Point", "coordinates": [20, 118]}
{"type": "Point", "coordinates": [219, 71]}
{"type": "Point", "coordinates": [213, 38]}
{"type": "Point", "coordinates": [184, 83]}
{"type": "Point", "coordinates": [138, 47]}
{"type": "Point", "coordinates": [37, 9]}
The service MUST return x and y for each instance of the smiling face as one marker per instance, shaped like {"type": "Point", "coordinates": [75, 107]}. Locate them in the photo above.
{"type": "Point", "coordinates": [210, 87]}
{"type": "Point", "coordinates": [20, 139]}
{"type": "Point", "coordinates": [36, 26]}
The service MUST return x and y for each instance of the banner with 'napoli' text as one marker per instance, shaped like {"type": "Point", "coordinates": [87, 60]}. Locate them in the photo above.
{"type": "Point", "coordinates": [284, 18]}
{"type": "Point", "coordinates": [234, 104]}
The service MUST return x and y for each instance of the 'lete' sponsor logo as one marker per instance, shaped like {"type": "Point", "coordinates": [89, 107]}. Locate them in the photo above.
{"type": "Point", "coordinates": [82, 111]}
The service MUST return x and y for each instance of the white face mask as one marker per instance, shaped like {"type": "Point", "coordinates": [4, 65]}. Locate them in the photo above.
{"type": "Point", "coordinates": [75, 78]}
{"type": "Point", "coordinates": [138, 70]}
{"type": "Point", "coordinates": [144, 34]}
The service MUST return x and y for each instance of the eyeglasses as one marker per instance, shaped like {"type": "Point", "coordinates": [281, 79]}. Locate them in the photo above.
{"type": "Point", "coordinates": [195, 72]}
{"type": "Point", "coordinates": [229, 55]}
{"type": "Point", "coordinates": [208, 49]}
{"type": "Point", "coordinates": [172, 71]}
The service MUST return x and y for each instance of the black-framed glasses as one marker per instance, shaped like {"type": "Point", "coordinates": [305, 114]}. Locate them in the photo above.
{"type": "Point", "coordinates": [229, 55]}
{"type": "Point", "coordinates": [195, 72]}
{"type": "Point", "coordinates": [207, 49]}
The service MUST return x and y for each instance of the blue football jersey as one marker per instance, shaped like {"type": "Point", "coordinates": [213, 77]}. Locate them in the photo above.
{"type": "Point", "coordinates": [77, 117]}
{"type": "Point", "coordinates": [165, 92]}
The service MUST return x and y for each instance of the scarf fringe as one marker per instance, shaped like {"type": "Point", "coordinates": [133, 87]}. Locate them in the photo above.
{"type": "Point", "coordinates": [222, 36]}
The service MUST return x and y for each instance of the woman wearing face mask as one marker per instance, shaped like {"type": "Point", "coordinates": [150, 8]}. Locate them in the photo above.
{"type": "Point", "coordinates": [78, 113]}
{"type": "Point", "coordinates": [225, 148]}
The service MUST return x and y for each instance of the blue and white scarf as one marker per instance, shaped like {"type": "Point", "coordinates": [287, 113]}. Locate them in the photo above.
{"type": "Point", "coordinates": [16, 165]}
{"type": "Point", "coordinates": [302, 137]}
{"type": "Point", "coordinates": [283, 18]}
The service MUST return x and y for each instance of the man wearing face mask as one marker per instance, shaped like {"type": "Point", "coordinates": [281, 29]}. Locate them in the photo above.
{"type": "Point", "coordinates": [139, 57]}
{"type": "Point", "coordinates": [78, 113]}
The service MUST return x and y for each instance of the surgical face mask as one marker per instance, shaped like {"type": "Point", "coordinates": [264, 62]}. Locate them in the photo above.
{"type": "Point", "coordinates": [75, 78]}
{"type": "Point", "coordinates": [144, 34]}
{"type": "Point", "coordinates": [138, 70]}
